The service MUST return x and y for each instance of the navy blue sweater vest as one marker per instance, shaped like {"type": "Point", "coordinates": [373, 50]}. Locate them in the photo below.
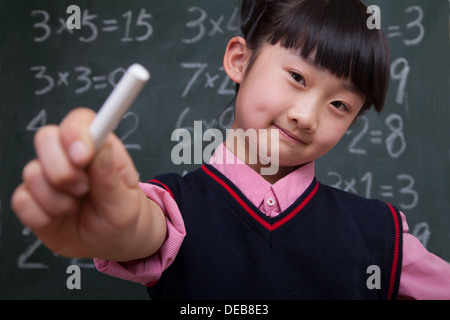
{"type": "Point", "coordinates": [319, 248]}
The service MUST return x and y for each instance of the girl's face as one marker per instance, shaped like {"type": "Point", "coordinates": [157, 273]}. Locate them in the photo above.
{"type": "Point", "coordinates": [311, 108]}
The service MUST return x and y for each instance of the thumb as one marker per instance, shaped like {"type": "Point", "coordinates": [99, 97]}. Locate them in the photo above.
{"type": "Point", "coordinates": [109, 188]}
{"type": "Point", "coordinates": [104, 179]}
{"type": "Point", "coordinates": [76, 138]}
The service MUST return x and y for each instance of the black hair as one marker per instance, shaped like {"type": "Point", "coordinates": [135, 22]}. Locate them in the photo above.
{"type": "Point", "coordinates": [333, 33]}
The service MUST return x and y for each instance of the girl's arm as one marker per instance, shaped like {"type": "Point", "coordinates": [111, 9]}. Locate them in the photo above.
{"type": "Point", "coordinates": [425, 276]}
{"type": "Point", "coordinates": [149, 270]}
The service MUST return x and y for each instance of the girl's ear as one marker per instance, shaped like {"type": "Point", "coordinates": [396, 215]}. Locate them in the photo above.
{"type": "Point", "coordinates": [236, 58]}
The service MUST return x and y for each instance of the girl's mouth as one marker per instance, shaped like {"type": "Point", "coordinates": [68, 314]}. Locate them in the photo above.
{"type": "Point", "coordinates": [289, 135]}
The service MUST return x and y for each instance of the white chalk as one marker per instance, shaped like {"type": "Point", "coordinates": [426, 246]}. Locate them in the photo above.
{"type": "Point", "coordinates": [118, 102]}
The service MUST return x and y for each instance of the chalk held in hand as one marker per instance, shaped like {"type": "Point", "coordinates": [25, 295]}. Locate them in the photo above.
{"type": "Point", "coordinates": [118, 102]}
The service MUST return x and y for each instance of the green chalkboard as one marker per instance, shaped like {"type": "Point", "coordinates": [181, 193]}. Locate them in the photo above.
{"type": "Point", "coordinates": [401, 156]}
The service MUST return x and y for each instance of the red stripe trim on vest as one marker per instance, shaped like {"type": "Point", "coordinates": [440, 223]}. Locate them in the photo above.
{"type": "Point", "coordinates": [264, 223]}
{"type": "Point", "coordinates": [395, 260]}
{"type": "Point", "coordinates": [298, 209]}
{"type": "Point", "coordinates": [162, 185]}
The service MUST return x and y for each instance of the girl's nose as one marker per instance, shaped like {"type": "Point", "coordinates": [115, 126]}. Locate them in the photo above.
{"type": "Point", "coordinates": [305, 115]}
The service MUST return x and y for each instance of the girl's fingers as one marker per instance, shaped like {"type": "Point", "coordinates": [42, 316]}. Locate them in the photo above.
{"type": "Point", "coordinates": [27, 210]}
{"type": "Point", "coordinates": [51, 200]}
{"type": "Point", "coordinates": [56, 166]}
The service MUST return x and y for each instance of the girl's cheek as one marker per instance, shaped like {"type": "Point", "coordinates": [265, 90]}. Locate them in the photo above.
{"type": "Point", "coordinates": [331, 141]}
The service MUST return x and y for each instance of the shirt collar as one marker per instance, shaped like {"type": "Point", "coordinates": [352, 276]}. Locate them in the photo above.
{"type": "Point", "coordinates": [254, 186]}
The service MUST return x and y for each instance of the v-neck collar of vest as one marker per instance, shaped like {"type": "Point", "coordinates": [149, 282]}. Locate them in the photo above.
{"type": "Point", "coordinates": [268, 224]}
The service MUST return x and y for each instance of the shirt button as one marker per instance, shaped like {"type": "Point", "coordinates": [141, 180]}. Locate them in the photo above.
{"type": "Point", "coordinates": [270, 202]}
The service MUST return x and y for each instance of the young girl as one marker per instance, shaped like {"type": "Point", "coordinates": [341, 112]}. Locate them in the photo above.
{"type": "Point", "coordinates": [304, 69]}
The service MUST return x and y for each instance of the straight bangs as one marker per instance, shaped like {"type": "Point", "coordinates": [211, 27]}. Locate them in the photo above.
{"type": "Point", "coordinates": [334, 35]}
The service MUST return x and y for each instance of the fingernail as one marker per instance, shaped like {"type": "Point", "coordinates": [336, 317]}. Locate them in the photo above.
{"type": "Point", "coordinates": [78, 152]}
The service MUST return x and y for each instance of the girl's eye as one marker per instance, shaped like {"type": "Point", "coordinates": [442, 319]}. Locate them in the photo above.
{"type": "Point", "coordinates": [298, 77]}
{"type": "Point", "coordinates": [340, 105]}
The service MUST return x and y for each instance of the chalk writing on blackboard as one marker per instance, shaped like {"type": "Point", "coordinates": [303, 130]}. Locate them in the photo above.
{"type": "Point", "coordinates": [209, 78]}
{"type": "Point", "coordinates": [399, 71]}
{"type": "Point", "coordinates": [203, 25]}
{"type": "Point", "coordinates": [223, 121]}
{"type": "Point", "coordinates": [416, 25]}
{"type": "Point", "coordinates": [83, 76]}
{"type": "Point", "coordinates": [22, 260]}
{"type": "Point", "coordinates": [395, 142]}
{"type": "Point", "coordinates": [143, 29]}
{"type": "Point", "coordinates": [130, 120]}
{"type": "Point", "coordinates": [422, 232]}
{"type": "Point", "coordinates": [403, 190]}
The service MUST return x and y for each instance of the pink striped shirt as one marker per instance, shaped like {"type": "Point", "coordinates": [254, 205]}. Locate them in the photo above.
{"type": "Point", "coordinates": [424, 275]}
